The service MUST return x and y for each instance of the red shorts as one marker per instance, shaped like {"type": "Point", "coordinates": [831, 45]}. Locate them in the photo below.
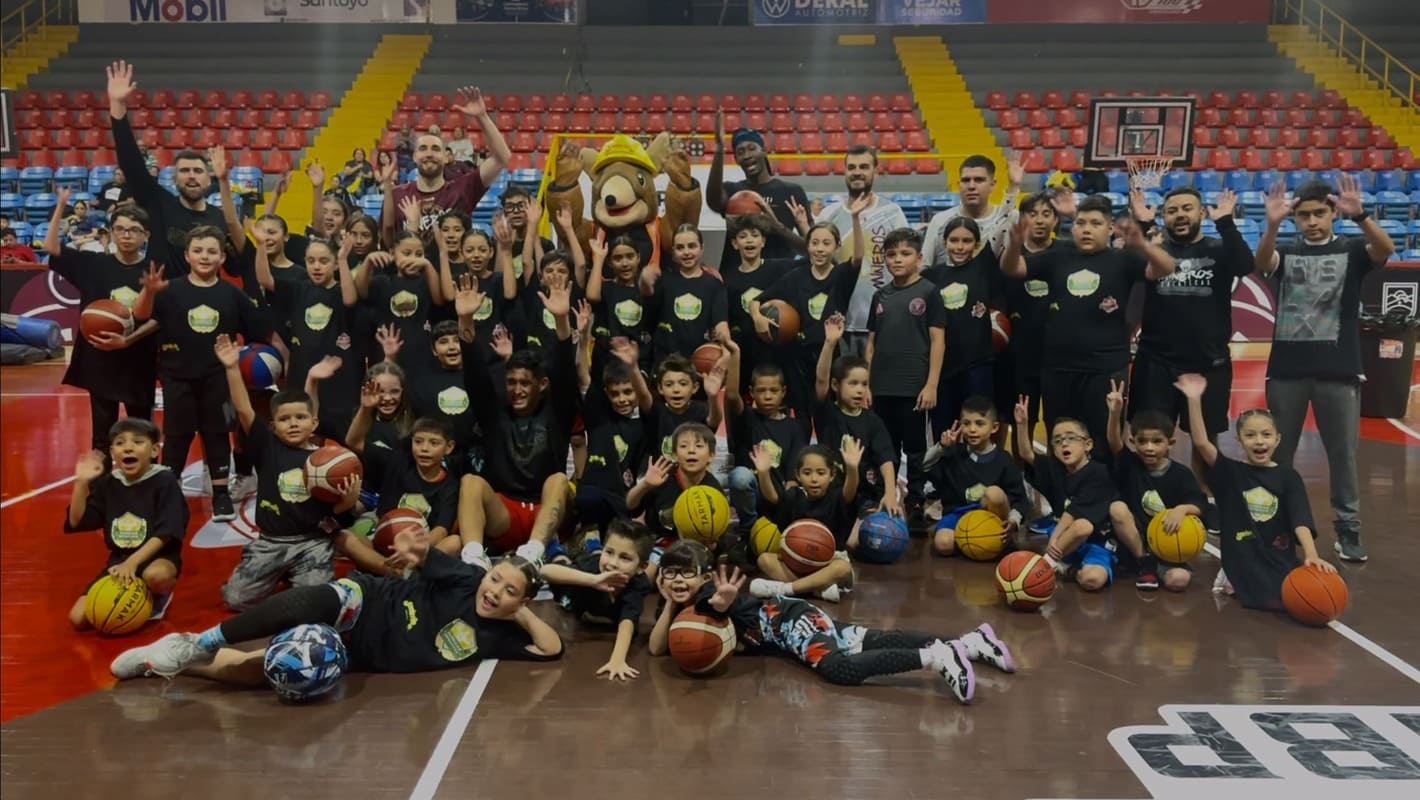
{"type": "Point", "coordinates": [579, 425]}
{"type": "Point", "coordinates": [521, 516]}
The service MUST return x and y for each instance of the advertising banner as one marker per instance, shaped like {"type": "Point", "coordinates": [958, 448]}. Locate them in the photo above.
{"type": "Point", "coordinates": [815, 12]}
{"type": "Point", "coordinates": [554, 11]}
{"type": "Point", "coordinates": [145, 11]}
{"type": "Point", "coordinates": [1035, 11]}
{"type": "Point", "coordinates": [931, 12]}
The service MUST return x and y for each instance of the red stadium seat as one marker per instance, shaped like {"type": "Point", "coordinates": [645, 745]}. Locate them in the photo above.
{"type": "Point", "coordinates": [1050, 138]}
{"type": "Point", "coordinates": [238, 139]}
{"type": "Point", "coordinates": [806, 122]}
{"type": "Point", "coordinates": [1270, 117]}
{"type": "Point", "coordinates": [31, 140]}
{"type": "Point", "coordinates": [778, 103]}
{"type": "Point", "coordinates": [803, 103]}
{"type": "Point", "coordinates": [1377, 159]}
{"type": "Point", "coordinates": [733, 121]}
{"type": "Point", "coordinates": [1379, 137]}
{"type": "Point", "coordinates": [1136, 93]}
{"type": "Point", "coordinates": [535, 103]}
{"type": "Point", "coordinates": [205, 139]}
{"type": "Point", "coordinates": [1020, 139]}
{"type": "Point", "coordinates": [1008, 120]}
{"type": "Point", "coordinates": [857, 121]}
{"type": "Point", "coordinates": [1068, 118]}
{"type": "Point", "coordinates": [263, 139]}
{"type": "Point", "coordinates": [908, 121]}
{"type": "Point", "coordinates": [997, 101]}
{"type": "Point", "coordinates": [1259, 137]}
{"type": "Point", "coordinates": [74, 158]}
{"type": "Point", "coordinates": [785, 143]}
{"type": "Point", "coordinates": [320, 101]}
{"type": "Point", "coordinates": [561, 103]}
{"type": "Point", "coordinates": [1079, 137]}
{"type": "Point", "coordinates": [828, 103]}
{"type": "Point", "coordinates": [1230, 137]}
{"type": "Point", "coordinates": [1301, 98]}
{"type": "Point", "coordinates": [581, 122]}
{"type": "Point", "coordinates": [585, 104]}
{"type": "Point", "coordinates": [140, 118]}
{"type": "Point", "coordinates": [1040, 118]}
{"type": "Point", "coordinates": [524, 141]}
{"type": "Point", "coordinates": [863, 139]}
{"type": "Point", "coordinates": [1033, 160]}
{"type": "Point", "coordinates": [1273, 98]}
{"type": "Point", "coordinates": [30, 100]}
{"type": "Point", "coordinates": [789, 166]}
{"type": "Point", "coordinates": [85, 118]}
{"type": "Point", "coordinates": [1066, 160]}
{"type": "Point", "coordinates": [1218, 99]}
{"type": "Point", "coordinates": [1221, 158]}
{"type": "Point", "coordinates": [1290, 138]}
{"type": "Point", "coordinates": [281, 118]}
{"type": "Point", "coordinates": [306, 119]}
{"type": "Point", "coordinates": [658, 104]}
{"type": "Point", "coordinates": [1329, 117]}
{"type": "Point", "coordinates": [295, 100]}
{"type": "Point", "coordinates": [1026, 101]}
{"type": "Point", "coordinates": [1317, 137]}
{"type": "Point", "coordinates": [1355, 117]}
{"type": "Point", "coordinates": [884, 121]}
{"type": "Point", "coordinates": [250, 119]}
{"type": "Point", "coordinates": [889, 142]}
{"type": "Point", "coordinates": [91, 139]}
{"type": "Point", "coordinates": [655, 123]}
{"type": "Point", "coordinates": [836, 142]}
{"type": "Point", "coordinates": [1351, 137]}
{"type": "Point", "coordinates": [781, 123]}
{"type": "Point", "coordinates": [608, 104]}
{"type": "Point", "coordinates": [1404, 159]}
{"type": "Point", "coordinates": [605, 121]}
{"type": "Point", "coordinates": [185, 99]}
{"type": "Point", "coordinates": [730, 102]}
{"type": "Point", "coordinates": [1079, 99]}
{"type": "Point", "coordinates": [897, 166]}
{"type": "Point", "coordinates": [410, 102]}
{"type": "Point", "coordinates": [810, 142]}
{"type": "Point", "coordinates": [634, 103]}
{"type": "Point", "coordinates": [1210, 117]}
{"type": "Point", "coordinates": [831, 122]}
{"type": "Point", "coordinates": [926, 166]}
{"type": "Point", "coordinates": [278, 161]}
{"type": "Point", "coordinates": [754, 102]}
{"type": "Point", "coordinates": [1331, 98]}
{"type": "Point", "coordinates": [88, 98]}
{"type": "Point", "coordinates": [41, 158]}
{"type": "Point", "coordinates": [756, 120]}
{"type": "Point", "coordinates": [1343, 159]}
{"type": "Point", "coordinates": [916, 142]}
{"type": "Point", "coordinates": [818, 166]}
{"type": "Point", "coordinates": [139, 99]}
{"type": "Point", "coordinates": [681, 124]}
{"type": "Point", "coordinates": [529, 121]}
{"type": "Point", "coordinates": [853, 102]}
{"type": "Point", "coordinates": [179, 138]}
{"type": "Point", "coordinates": [151, 138]}
{"type": "Point", "coordinates": [55, 100]}
{"type": "Point", "coordinates": [1246, 99]}
{"type": "Point", "coordinates": [267, 99]}
{"type": "Point", "coordinates": [877, 101]}
{"type": "Point", "coordinates": [1052, 100]}
{"type": "Point", "coordinates": [29, 118]}
{"type": "Point", "coordinates": [902, 102]}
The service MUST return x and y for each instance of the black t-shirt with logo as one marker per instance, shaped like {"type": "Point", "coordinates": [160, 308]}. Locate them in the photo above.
{"type": "Point", "coordinates": [1027, 303]}
{"type": "Point", "coordinates": [285, 509]}
{"type": "Point", "coordinates": [1085, 493]}
{"type": "Point", "coordinates": [816, 299]}
{"type": "Point", "coordinates": [743, 287]}
{"type": "Point", "coordinates": [534, 327]}
{"type": "Point", "coordinates": [1085, 328]}
{"type": "Point", "coordinates": [967, 292]}
{"type": "Point", "coordinates": [687, 311]}
{"type": "Point", "coordinates": [440, 393]}
{"type": "Point", "coordinates": [662, 422]}
{"type": "Point", "coordinates": [660, 502]}
{"type": "Point", "coordinates": [777, 193]}
{"type": "Point", "coordinates": [1188, 316]}
{"type": "Point", "coordinates": [901, 318]}
{"type": "Point", "coordinates": [1259, 510]}
{"type": "Point", "coordinates": [616, 445]}
{"type": "Point", "coordinates": [402, 486]}
{"type": "Point", "coordinates": [622, 312]}
{"type": "Point", "coordinates": [319, 324]}
{"type": "Point", "coordinates": [782, 437]}
{"type": "Point", "coordinates": [125, 375]}
{"type": "Point", "coordinates": [963, 476]}
{"type": "Point", "coordinates": [1317, 334]}
{"type": "Point", "coordinates": [405, 302]}
{"type": "Point", "coordinates": [1147, 493]}
{"type": "Point", "coordinates": [132, 513]}
{"type": "Point", "coordinates": [599, 607]}
{"type": "Point", "coordinates": [831, 509]}
{"type": "Point", "coordinates": [832, 425]}
{"type": "Point", "coordinates": [191, 317]}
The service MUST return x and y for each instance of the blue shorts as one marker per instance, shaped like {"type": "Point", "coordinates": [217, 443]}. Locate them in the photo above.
{"type": "Point", "coordinates": [1094, 554]}
{"type": "Point", "coordinates": [950, 519]}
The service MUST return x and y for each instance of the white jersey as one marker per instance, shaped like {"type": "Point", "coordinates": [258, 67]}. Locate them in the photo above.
{"type": "Point", "coordinates": [884, 217]}
{"type": "Point", "coordinates": [995, 228]}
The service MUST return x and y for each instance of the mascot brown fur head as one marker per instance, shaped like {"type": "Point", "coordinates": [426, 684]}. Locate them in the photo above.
{"type": "Point", "coordinates": [624, 181]}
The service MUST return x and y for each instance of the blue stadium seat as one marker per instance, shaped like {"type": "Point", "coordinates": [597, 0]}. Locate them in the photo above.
{"type": "Point", "coordinates": [1390, 180]}
{"type": "Point", "coordinates": [941, 201]}
{"type": "Point", "coordinates": [1249, 228]}
{"type": "Point", "coordinates": [1239, 180]}
{"type": "Point", "coordinates": [1263, 179]}
{"type": "Point", "coordinates": [1208, 228]}
{"type": "Point", "coordinates": [1208, 180]}
{"type": "Point", "coordinates": [1346, 227]}
{"type": "Point", "coordinates": [98, 176]}
{"type": "Point", "coordinates": [1412, 254]}
{"type": "Point", "coordinates": [1367, 180]}
{"type": "Point", "coordinates": [1327, 176]}
{"type": "Point", "coordinates": [1118, 181]}
{"type": "Point", "coordinates": [1297, 177]}
{"type": "Point", "coordinates": [1287, 231]}
{"type": "Point", "coordinates": [38, 207]}
{"type": "Point", "coordinates": [1393, 205]}
{"type": "Point", "coordinates": [72, 177]}
{"type": "Point", "coordinates": [75, 197]}
{"type": "Point", "coordinates": [24, 232]}
{"type": "Point", "coordinates": [1117, 201]}
{"type": "Point", "coordinates": [34, 180]}
{"type": "Point", "coordinates": [1176, 178]}
{"type": "Point", "coordinates": [12, 205]}
{"type": "Point", "coordinates": [1254, 205]}
{"type": "Point", "coordinates": [371, 204]}
{"type": "Point", "coordinates": [1211, 196]}
{"type": "Point", "coordinates": [1395, 229]}
{"type": "Point", "coordinates": [40, 231]}
{"type": "Point", "coordinates": [1413, 181]}
{"type": "Point", "coordinates": [1412, 229]}
{"type": "Point", "coordinates": [9, 179]}
{"type": "Point", "coordinates": [1153, 198]}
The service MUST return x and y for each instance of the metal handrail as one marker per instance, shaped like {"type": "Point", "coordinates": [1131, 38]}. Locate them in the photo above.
{"type": "Point", "coordinates": [32, 16]}
{"type": "Point", "coordinates": [1330, 27]}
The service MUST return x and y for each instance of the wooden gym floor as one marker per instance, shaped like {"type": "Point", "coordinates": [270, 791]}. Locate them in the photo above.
{"type": "Point", "coordinates": [1119, 695]}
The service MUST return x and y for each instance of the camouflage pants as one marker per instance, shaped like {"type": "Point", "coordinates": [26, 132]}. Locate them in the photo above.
{"type": "Point", "coordinates": [308, 562]}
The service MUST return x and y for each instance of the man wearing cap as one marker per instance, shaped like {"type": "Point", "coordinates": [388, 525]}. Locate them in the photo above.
{"type": "Point", "coordinates": [786, 239]}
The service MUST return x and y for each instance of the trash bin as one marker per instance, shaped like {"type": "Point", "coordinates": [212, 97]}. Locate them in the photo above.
{"type": "Point", "coordinates": [1388, 358]}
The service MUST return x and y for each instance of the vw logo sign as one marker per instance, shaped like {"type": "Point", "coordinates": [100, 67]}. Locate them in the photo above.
{"type": "Point", "coordinates": [774, 9]}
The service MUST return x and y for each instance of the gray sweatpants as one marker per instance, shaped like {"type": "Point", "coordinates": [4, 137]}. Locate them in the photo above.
{"type": "Point", "coordinates": [1337, 408]}
{"type": "Point", "coordinates": [308, 562]}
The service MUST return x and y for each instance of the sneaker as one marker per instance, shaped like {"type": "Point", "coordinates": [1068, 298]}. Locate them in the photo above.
{"type": "Point", "coordinates": [1148, 577]}
{"type": "Point", "coordinates": [832, 594]}
{"type": "Point", "coordinates": [765, 588]}
{"type": "Point", "coordinates": [1349, 547]}
{"type": "Point", "coordinates": [950, 659]}
{"type": "Point", "coordinates": [917, 522]}
{"type": "Point", "coordinates": [222, 510]}
{"type": "Point", "coordinates": [166, 657]}
{"type": "Point", "coordinates": [734, 546]}
{"type": "Point", "coordinates": [1221, 584]}
{"type": "Point", "coordinates": [474, 554]}
{"type": "Point", "coordinates": [983, 645]}
{"type": "Point", "coordinates": [160, 605]}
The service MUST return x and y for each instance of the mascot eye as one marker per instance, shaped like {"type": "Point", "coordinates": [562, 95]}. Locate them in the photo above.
{"type": "Point", "coordinates": [641, 178]}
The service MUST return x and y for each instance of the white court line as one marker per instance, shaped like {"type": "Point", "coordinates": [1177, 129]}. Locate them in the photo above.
{"type": "Point", "coordinates": [39, 491]}
{"type": "Point", "coordinates": [1405, 428]}
{"type": "Point", "coordinates": [1357, 638]}
{"type": "Point", "coordinates": [453, 732]}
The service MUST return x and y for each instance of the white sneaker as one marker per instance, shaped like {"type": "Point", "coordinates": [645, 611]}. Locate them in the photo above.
{"type": "Point", "coordinates": [832, 594]}
{"type": "Point", "coordinates": [166, 657]}
{"type": "Point", "coordinates": [950, 659]}
{"type": "Point", "coordinates": [764, 588]}
{"type": "Point", "coordinates": [532, 551]}
{"type": "Point", "coordinates": [474, 554]}
{"type": "Point", "coordinates": [983, 645]}
{"type": "Point", "coordinates": [1220, 583]}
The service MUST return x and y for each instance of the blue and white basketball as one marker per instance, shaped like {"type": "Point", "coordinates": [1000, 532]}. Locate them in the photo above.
{"type": "Point", "coordinates": [261, 366]}
{"type": "Point", "coordinates": [305, 662]}
{"type": "Point", "coordinates": [882, 538]}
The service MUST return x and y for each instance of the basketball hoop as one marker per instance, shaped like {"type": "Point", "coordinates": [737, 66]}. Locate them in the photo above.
{"type": "Point", "coordinates": [1147, 172]}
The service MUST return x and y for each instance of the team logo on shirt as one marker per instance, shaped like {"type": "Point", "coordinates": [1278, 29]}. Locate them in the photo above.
{"type": "Point", "coordinates": [128, 531]}
{"type": "Point", "coordinates": [628, 313]}
{"type": "Point", "coordinates": [1261, 504]}
{"type": "Point", "coordinates": [817, 304]}
{"type": "Point", "coordinates": [1109, 305]}
{"type": "Point", "coordinates": [916, 307]}
{"type": "Point", "coordinates": [1037, 289]}
{"type": "Point", "coordinates": [453, 400]}
{"type": "Point", "coordinates": [485, 309]}
{"type": "Point", "coordinates": [978, 310]}
{"type": "Point", "coordinates": [1082, 283]}
{"type": "Point", "coordinates": [1152, 503]}
{"type": "Point", "coordinates": [318, 316]}
{"type": "Point", "coordinates": [622, 448]}
{"type": "Point", "coordinates": [291, 485]}
{"type": "Point", "coordinates": [456, 641]}
{"type": "Point", "coordinates": [954, 296]}
{"type": "Point", "coordinates": [748, 296]}
{"type": "Point", "coordinates": [124, 295]}
{"type": "Point", "coordinates": [203, 319]}
{"type": "Point", "coordinates": [414, 501]}
{"type": "Point", "coordinates": [776, 453]}
{"type": "Point", "coordinates": [548, 320]}
{"type": "Point", "coordinates": [688, 307]}
{"type": "Point", "coordinates": [667, 446]}
{"type": "Point", "coordinates": [975, 493]}
{"type": "Point", "coordinates": [411, 615]}
{"type": "Point", "coordinates": [404, 304]}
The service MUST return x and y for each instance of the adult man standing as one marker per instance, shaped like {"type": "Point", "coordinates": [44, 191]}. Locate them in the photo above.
{"type": "Point", "coordinates": [975, 182]}
{"type": "Point", "coordinates": [784, 200]}
{"type": "Point", "coordinates": [860, 170]}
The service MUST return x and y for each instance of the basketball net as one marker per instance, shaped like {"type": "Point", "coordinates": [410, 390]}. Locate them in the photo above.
{"type": "Point", "coordinates": [1147, 172]}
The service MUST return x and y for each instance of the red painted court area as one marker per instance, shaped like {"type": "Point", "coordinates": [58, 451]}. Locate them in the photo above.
{"type": "Point", "coordinates": [1101, 677]}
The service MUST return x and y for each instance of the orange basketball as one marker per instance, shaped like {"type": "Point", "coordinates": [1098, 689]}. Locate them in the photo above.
{"type": "Point", "coordinates": [745, 201]}
{"type": "Point", "coordinates": [1025, 580]}
{"type": "Point", "coordinates": [105, 316]}
{"type": "Point", "coordinates": [394, 522]}
{"type": "Point", "coordinates": [700, 643]}
{"type": "Point", "coordinates": [784, 314]}
{"type": "Point", "coordinates": [1314, 597]}
{"type": "Point", "coordinates": [808, 547]}
{"type": "Point", "coordinates": [705, 358]}
{"type": "Point", "coordinates": [327, 468]}
{"type": "Point", "coordinates": [1000, 330]}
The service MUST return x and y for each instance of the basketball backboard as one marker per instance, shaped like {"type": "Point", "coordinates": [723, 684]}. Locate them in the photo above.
{"type": "Point", "coordinates": [1133, 127]}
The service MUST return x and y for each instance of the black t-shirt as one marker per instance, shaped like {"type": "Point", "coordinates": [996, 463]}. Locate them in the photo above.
{"type": "Point", "coordinates": [132, 513]}
{"type": "Point", "coordinates": [1188, 316]}
{"type": "Point", "coordinates": [963, 476]}
{"type": "Point", "coordinates": [687, 310]}
{"type": "Point", "coordinates": [1147, 494]}
{"type": "Point", "coordinates": [401, 486]}
{"type": "Point", "coordinates": [832, 425]}
{"type": "Point", "coordinates": [598, 607]}
{"type": "Point", "coordinates": [901, 318]}
{"type": "Point", "coordinates": [1085, 329]}
{"type": "Point", "coordinates": [662, 422]}
{"type": "Point", "coordinates": [111, 195]}
{"type": "Point", "coordinates": [191, 317]}
{"type": "Point", "coordinates": [1085, 493]}
{"type": "Point", "coordinates": [533, 326]}
{"type": "Point", "coordinates": [622, 311]}
{"type": "Point", "coordinates": [967, 292]}
{"type": "Point", "coordinates": [816, 299]}
{"type": "Point", "coordinates": [616, 445]}
{"type": "Point", "coordinates": [430, 622]}
{"type": "Point", "coordinates": [285, 509]}
{"type": "Point", "coordinates": [660, 501]}
{"type": "Point", "coordinates": [441, 393]}
{"type": "Point", "coordinates": [1027, 302]}
{"type": "Point", "coordinates": [319, 324]}
{"type": "Point", "coordinates": [1318, 300]}
{"type": "Point", "coordinates": [777, 193]}
{"type": "Point", "coordinates": [782, 438]}
{"type": "Point", "coordinates": [405, 301]}
{"type": "Point", "coordinates": [831, 510]}
{"type": "Point", "coordinates": [743, 287]}
{"type": "Point", "coordinates": [125, 375]}
{"type": "Point", "coordinates": [1259, 510]}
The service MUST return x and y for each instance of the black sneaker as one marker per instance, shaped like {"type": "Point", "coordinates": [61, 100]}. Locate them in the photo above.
{"type": "Point", "coordinates": [734, 548]}
{"type": "Point", "coordinates": [1349, 547]}
{"type": "Point", "coordinates": [1148, 577]}
{"type": "Point", "coordinates": [222, 510]}
{"type": "Point", "coordinates": [917, 522]}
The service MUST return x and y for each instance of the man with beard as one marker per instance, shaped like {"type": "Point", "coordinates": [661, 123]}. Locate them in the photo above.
{"type": "Point", "coordinates": [170, 217]}
{"type": "Point", "coordinates": [975, 182]}
{"type": "Point", "coordinates": [1188, 317]}
{"type": "Point", "coordinates": [784, 199]}
{"type": "Point", "coordinates": [438, 193]}
{"type": "Point", "coordinates": [860, 169]}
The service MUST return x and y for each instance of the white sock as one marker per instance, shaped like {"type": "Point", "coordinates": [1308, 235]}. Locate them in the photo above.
{"type": "Point", "coordinates": [929, 660]}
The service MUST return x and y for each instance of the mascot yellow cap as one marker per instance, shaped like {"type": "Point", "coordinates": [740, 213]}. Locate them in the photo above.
{"type": "Point", "coordinates": [625, 149]}
{"type": "Point", "coordinates": [1063, 180]}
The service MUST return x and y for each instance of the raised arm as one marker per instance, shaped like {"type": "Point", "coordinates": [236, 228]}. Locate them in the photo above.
{"type": "Point", "coordinates": [1025, 442]}
{"type": "Point", "coordinates": [567, 232]}
{"type": "Point", "coordinates": [1115, 402]}
{"type": "Point", "coordinates": [1192, 386]}
{"type": "Point", "coordinates": [230, 355]}
{"type": "Point", "coordinates": [52, 244]}
{"type": "Point", "coordinates": [1278, 207]}
{"type": "Point", "coordinates": [596, 276]}
{"type": "Point", "coordinates": [1348, 204]}
{"type": "Point", "coordinates": [153, 282]}
{"type": "Point", "coordinates": [1013, 262]}
{"type": "Point", "coordinates": [823, 372]}
{"type": "Point", "coordinates": [499, 154]}
{"type": "Point", "coordinates": [221, 171]}
{"type": "Point", "coordinates": [715, 181]}
{"type": "Point", "coordinates": [130, 159]}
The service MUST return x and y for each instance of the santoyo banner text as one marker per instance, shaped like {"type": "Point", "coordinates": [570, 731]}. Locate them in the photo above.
{"type": "Point", "coordinates": [868, 12]}
{"type": "Point", "coordinates": [955, 12]}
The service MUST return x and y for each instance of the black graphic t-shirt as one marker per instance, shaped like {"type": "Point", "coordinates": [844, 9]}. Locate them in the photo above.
{"type": "Point", "coordinates": [1318, 301]}
{"type": "Point", "coordinates": [1085, 328]}
{"type": "Point", "coordinates": [1188, 316]}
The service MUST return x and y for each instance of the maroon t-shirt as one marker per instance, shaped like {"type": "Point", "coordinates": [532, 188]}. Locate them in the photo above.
{"type": "Point", "coordinates": [460, 193]}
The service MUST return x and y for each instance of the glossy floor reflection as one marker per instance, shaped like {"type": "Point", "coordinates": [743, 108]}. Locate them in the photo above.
{"type": "Point", "coordinates": [1091, 665]}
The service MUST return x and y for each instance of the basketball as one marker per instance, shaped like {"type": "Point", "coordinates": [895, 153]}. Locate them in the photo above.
{"type": "Point", "coordinates": [980, 535]}
{"type": "Point", "coordinates": [394, 522]}
{"type": "Point", "coordinates": [114, 608]}
{"type": "Point", "coordinates": [1314, 597]}
{"type": "Point", "coordinates": [327, 468]}
{"type": "Point", "coordinates": [745, 202]}
{"type": "Point", "coordinates": [882, 538]}
{"type": "Point", "coordinates": [784, 314]}
{"type": "Point", "coordinates": [765, 537]}
{"type": "Point", "coordinates": [701, 514]}
{"type": "Point", "coordinates": [808, 547]}
{"type": "Point", "coordinates": [261, 366]}
{"type": "Point", "coordinates": [1000, 330]}
{"type": "Point", "coordinates": [1179, 547]}
{"type": "Point", "coordinates": [700, 643]}
{"type": "Point", "coordinates": [105, 316]}
{"type": "Point", "coordinates": [705, 358]}
{"type": "Point", "coordinates": [1025, 580]}
{"type": "Point", "coordinates": [305, 662]}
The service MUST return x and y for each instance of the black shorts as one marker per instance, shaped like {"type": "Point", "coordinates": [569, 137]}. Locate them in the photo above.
{"type": "Point", "coordinates": [197, 405]}
{"type": "Point", "coordinates": [1151, 387]}
{"type": "Point", "coordinates": [170, 552]}
{"type": "Point", "coordinates": [1080, 396]}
